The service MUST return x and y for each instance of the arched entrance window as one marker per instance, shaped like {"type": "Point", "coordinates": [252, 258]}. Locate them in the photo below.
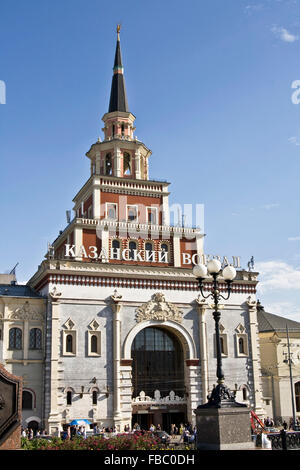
{"type": "Point", "coordinates": [158, 362]}
{"type": "Point", "coordinates": [297, 396]}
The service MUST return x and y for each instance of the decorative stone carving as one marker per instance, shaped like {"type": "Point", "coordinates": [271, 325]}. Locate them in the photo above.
{"type": "Point", "coordinates": [251, 303]}
{"type": "Point", "coordinates": [171, 398]}
{"type": "Point", "coordinates": [25, 313]}
{"type": "Point", "coordinates": [54, 294]}
{"type": "Point", "coordinates": [94, 325]}
{"type": "Point", "coordinates": [158, 309]}
{"type": "Point", "coordinates": [69, 324]}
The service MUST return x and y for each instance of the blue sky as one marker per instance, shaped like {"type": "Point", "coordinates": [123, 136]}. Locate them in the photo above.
{"type": "Point", "coordinates": [210, 83]}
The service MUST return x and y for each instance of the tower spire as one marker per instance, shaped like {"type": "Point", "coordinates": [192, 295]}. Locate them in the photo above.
{"type": "Point", "coordinates": [118, 97]}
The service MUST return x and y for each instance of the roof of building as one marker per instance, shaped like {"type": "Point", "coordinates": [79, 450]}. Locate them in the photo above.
{"type": "Point", "coordinates": [118, 97]}
{"type": "Point", "coordinates": [270, 322]}
{"type": "Point", "coordinates": [16, 290]}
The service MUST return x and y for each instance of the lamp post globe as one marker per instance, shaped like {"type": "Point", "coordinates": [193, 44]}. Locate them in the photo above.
{"type": "Point", "coordinates": [229, 273]}
{"type": "Point", "coordinates": [214, 266]}
{"type": "Point", "coordinates": [200, 271]}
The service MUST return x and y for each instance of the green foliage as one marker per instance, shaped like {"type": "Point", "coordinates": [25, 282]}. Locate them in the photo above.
{"type": "Point", "coordinates": [136, 441]}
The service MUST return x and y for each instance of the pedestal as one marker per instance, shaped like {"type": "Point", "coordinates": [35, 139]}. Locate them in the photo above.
{"type": "Point", "coordinates": [223, 428]}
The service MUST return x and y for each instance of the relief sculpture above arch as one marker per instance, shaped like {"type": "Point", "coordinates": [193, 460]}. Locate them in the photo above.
{"type": "Point", "coordinates": [158, 309]}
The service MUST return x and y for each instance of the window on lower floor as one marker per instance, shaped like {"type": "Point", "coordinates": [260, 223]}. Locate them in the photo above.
{"type": "Point", "coordinates": [35, 338]}
{"type": "Point", "coordinates": [27, 400]}
{"type": "Point", "coordinates": [15, 338]}
{"type": "Point", "coordinates": [94, 397]}
{"type": "Point", "coordinates": [69, 398]}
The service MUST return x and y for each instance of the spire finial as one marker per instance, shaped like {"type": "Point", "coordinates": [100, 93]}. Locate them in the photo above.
{"type": "Point", "coordinates": [118, 31]}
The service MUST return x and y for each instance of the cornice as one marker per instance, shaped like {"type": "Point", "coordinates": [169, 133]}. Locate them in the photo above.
{"type": "Point", "coordinates": [118, 275]}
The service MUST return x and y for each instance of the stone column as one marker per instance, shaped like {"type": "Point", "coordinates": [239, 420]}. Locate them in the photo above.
{"type": "Point", "coordinates": [117, 162]}
{"type": "Point", "coordinates": [176, 250]}
{"type": "Point", "coordinates": [192, 388]}
{"type": "Point", "coordinates": [254, 345]}
{"type": "Point", "coordinates": [96, 198]}
{"type": "Point", "coordinates": [165, 207]}
{"type": "Point", "coordinates": [116, 308]}
{"type": "Point", "coordinates": [77, 242]}
{"type": "Point", "coordinates": [137, 161]}
{"type": "Point", "coordinates": [201, 309]}
{"type": "Point", "coordinates": [54, 419]}
{"type": "Point", "coordinates": [97, 169]}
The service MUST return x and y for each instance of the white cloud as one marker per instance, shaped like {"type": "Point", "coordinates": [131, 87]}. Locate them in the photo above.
{"type": "Point", "coordinates": [284, 34]}
{"type": "Point", "coordinates": [293, 239]}
{"type": "Point", "coordinates": [295, 140]}
{"type": "Point", "coordinates": [277, 275]}
{"type": "Point", "coordinates": [270, 206]}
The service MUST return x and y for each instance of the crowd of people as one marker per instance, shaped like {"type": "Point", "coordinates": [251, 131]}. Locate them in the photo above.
{"type": "Point", "coordinates": [30, 433]}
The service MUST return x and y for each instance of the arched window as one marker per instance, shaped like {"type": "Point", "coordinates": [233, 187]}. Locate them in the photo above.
{"type": "Point", "coordinates": [94, 344]}
{"type": "Point", "coordinates": [35, 338]}
{"type": "Point", "coordinates": [244, 389]}
{"type": "Point", "coordinates": [127, 163]}
{"type": "Point", "coordinates": [241, 346]}
{"type": "Point", "coordinates": [115, 247]}
{"type": "Point", "coordinates": [113, 130]}
{"type": "Point", "coordinates": [15, 338]}
{"type": "Point", "coordinates": [164, 247]}
{"type": "Point", "coordinates": [123, 128]}
{"type": "Point", "coordinates": [148, 247]}
{"type": "Point", "coordinates": [69, 398]}
{"type": "Point", "coordinates": [69, 343]}
{"type": "Point", "coordinates": [108, 164]}
{"type": "Point", "coordinates": [157, 362]}
{"type": "Point", "coordinates": [94, 398]}
{"type": "Point", "coordinates": [27, 400]}
{"type": "Point", "coordinates": [111, 211]}
{"type": "Point", "coordinates": [132, 247]}
{"type": "Point", "coordinates": [297, 396]}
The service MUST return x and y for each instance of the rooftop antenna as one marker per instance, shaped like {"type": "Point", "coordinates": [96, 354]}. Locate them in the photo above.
{"type": "Point", "coordinates": [68, 216]}
{"type": "Point", "coordinates": [13, 271]}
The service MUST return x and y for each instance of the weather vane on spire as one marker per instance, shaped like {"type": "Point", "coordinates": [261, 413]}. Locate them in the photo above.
{"type": "Point", "coordinates": [118, 30]}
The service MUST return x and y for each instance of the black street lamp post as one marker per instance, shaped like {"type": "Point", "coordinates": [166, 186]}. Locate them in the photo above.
{"type": "Point", "coordinates": [221, 396]}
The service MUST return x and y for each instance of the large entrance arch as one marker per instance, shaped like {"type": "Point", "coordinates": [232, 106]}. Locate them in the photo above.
{"type": "Point", "coordinates": [157, 363]}
{"type": "Point", "coordinates": [158, 378]}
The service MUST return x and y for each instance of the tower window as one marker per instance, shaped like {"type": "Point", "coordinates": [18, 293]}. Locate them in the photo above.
{"type": "Point", "coordinates": [123, 128]}
{"type": "Point", "coordinates": [111, 211]}
{"type": "Point", "coordinates": [108, 164]}
{"type": "Point", "coordinates": [132, 213]}
{"type": "Point", "coordinates": [132, 247]}
{"type": "Point", "coordinates": [152, 215]}
{"type": "Point", "coordinates": [127, 163]}
{"type": "Point", "coordinates": [115, 249]}
{"type": "Point", "coordinates": [113, 130]}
